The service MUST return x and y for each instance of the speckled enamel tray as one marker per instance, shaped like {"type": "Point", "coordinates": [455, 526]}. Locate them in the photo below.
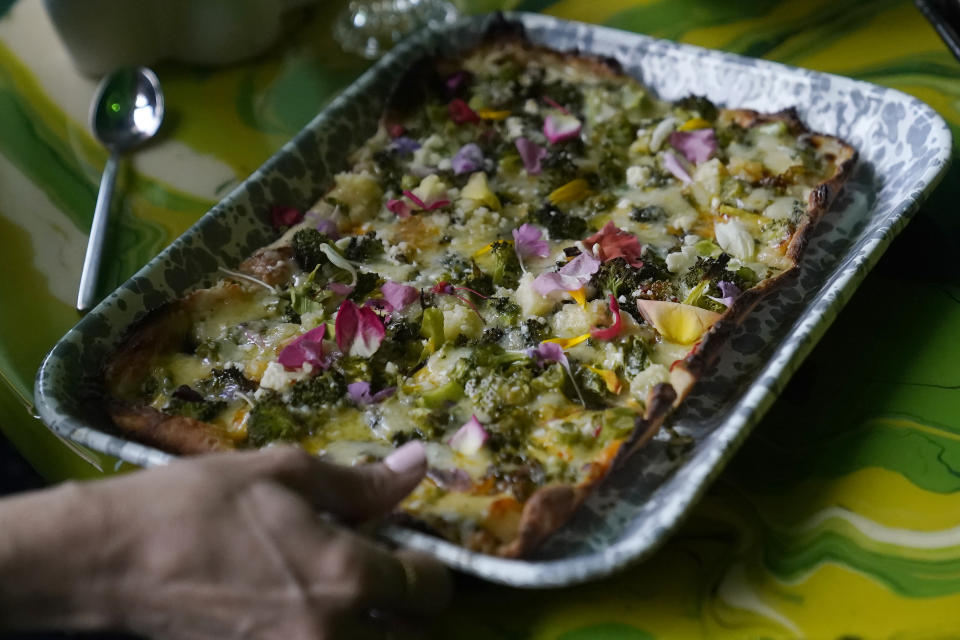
{"type": "Point", "coordinates": [904, 149]}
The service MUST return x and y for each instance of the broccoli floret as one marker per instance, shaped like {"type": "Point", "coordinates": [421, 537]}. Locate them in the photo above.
{"type": "Point", "coordinates": [364, 248]}
{"type": "Point", "coordinates": [306, 248]}
{"type": "Point", "coordinates": [652, 213]}
{"type": "Point", "coordinates": [706, 269]}
{"type": "Point", "coordinates": [188, 402]}
{"type": "Point", "coordinates": [493, 391]}
{"type": "Point", "coordinates": [592, 387]}
{"type": "Point", "coordinates": [271, 420]}
{"type": "Point", "coordinates": [507, 271]}
{"type": "Point", "coordinates": [225, 383]}
{"type": "Point", "coordinates": [509, 434]}
{"type": "Point", "coordinates": [367, 281]}
{"type": "Point", "coordinates": [617, 277]}
{"type": "Point", "coordinates": [506, 309]}
{"type": "Point", "coordinates": [401, 346]}
{"type": "Point", "coordinates": [635, 357]}
{"type": "Point", "coordinates": [318, 391]}
{"type": "Point", "coordinates": [744, 278]}
{"type": "Point", "coordinates": [701, 106]}
{"type": "Point", "coordinates": [654, 267]}
{"type": "Point", "coordinates": [560, 166]}
{"type": "Point", "coordinates": [466, 273]}
{"type": "Point", "coordinates": [534, 331]}
{"type": "Point", "coordinates": [560, 225]}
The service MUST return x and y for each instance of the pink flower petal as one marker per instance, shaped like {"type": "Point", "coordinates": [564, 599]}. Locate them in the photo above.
{"type": "Point", "coordinates": [532, 154]}
{"type": "Point", "coordinates": [616, 243]}
{"type": "Point", "coordinates": [360, 393]}
{"type": "Point", "coordinates": [696, 146]}
{"type": "Point", "coordinates": [467, 160]}
{"type": "Point", "coordinates": [469, 438]}
{"type": "Point", "coordinates": [674, 166]}
{"type": "Point", "coordinates": [305, 348]}
{"type": "Point", "coordinates": [281, 217]}
{"type": "Point", "coordinates": [611, 332]}
{"type": "Point", "coordinates": [559, 127]}
{"type": "Point", "coordinates": [528, 242]}
{"type": "Point", "coordinates": [458, 79]}
{"type": "Point", "coordinates": [572, 276]}
{"type": "Point", "coordinates": [359, 331]}
{"type": "Point", "coordinates": [399, 207]}
{"type": "Point", "coordinates": [425, 206]}
{"type": "Point", "coordinates": [398, 296]}
{"type": "Point", "coordinates": [340, 289]}
{"type": "Point", "coordinates": [556, 105]}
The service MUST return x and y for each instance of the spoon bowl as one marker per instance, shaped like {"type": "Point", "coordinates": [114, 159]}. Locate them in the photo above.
{"type": "Point", "coordinates": [126, 112]}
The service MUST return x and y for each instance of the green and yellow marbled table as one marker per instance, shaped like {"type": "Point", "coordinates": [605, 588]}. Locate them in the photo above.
{"type": "Point", "coordinates": [840, 517]}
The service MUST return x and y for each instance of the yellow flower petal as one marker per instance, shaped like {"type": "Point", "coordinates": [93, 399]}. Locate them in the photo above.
{"type": "Point", "coordinates": [566, 343]}
{"type": "Point", "coordinates": [491, 114]}
{"type": "Point", "coordinates": [571, 192]}
{"type": "Point", "coordinates": [477, 189]}
{"type": "Point", "coordinates": [609, 378]}
{"type": "Point", "coordinates": [488, 248]}
{"type": "Point", "coordinates": [579, 296]}
{"type": "Point", "coordinates": [693, 123]}
{"type": "Point", "coordinates": [676, 322]}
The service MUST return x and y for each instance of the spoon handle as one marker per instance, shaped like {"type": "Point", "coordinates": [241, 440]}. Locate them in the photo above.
{"type": "Point", "coordinates": [98, 231]}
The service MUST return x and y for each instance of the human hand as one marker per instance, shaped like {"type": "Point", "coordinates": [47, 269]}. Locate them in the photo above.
{"type": "Point", "coordinates": [235, 546]}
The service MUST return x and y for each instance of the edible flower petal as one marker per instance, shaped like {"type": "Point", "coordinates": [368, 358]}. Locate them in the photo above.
{"type": "Point", "coordinates": [493, 114]}
{"type": "Point", "coordinates": [528, 242]}
{"type": "Point", "coordinates": [556, 105]}
{"type": "Point", "coordinates": [404, 145]}
{"type": "Point", "coordinates": [612, 242]}
{"type": "Point", "coordinates": [729, 291]}
{"type": "Point", "coordinates": [674, 166]}
{"type": "Point", "coordinates": [360, 393]}
{"type": "Point", "coordinates": [611, 332]}
{"type": "Point", "coordinates": [570, 277]}
{"type": "Point", "coordinates": [358, 330]}
{"type": "Point", "coordinates": [469, 438]}
{"type": "Point", "coordinates": [307, 347]}
{"type": "Point", "coordinates": [398, 296]}
{"type": "Point", "coordinates": [430, 194]}
{"type": "Point", "coordinates": [478, 190]}
{"type": "Point", "coordinates": [469, 158]}
{"type": "Point", "coordinates": [696, 146]}
{"type": "Point", "coordinates": [561, 126]}
{"type": "Point", "coordinates": [281, 216]}
{"type": "Point", "coordinates": [461, 113]}
{"type": "Point", "coordinates": [567, 343]}
{"type": "Point", "coordinates": [328, 227]}
{"type": "Point", "coordinates": [399, 207]}
{"type": "Point", "coordinates": [458, 79]}
{"type": "Point", "coordinates": [610, 379]}
{"type": "Point", "coordinates": [340, 289]}
{"type": "Point", "coordinates": [570, 192]}
{"type": "Point", "coordinates": [552, 351]}
{"type": "Point", "coordinates": [676, 322]}
{"type": "Point", "coordinates": [579, 296]}
{"type": "Point", "coordinates": [693, 123]}
{"type": "Point", "coordinates": [532, 154]}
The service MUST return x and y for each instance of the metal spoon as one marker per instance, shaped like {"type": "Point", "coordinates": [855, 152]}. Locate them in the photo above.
{"type": "Point", "coordinates": [126, 112]}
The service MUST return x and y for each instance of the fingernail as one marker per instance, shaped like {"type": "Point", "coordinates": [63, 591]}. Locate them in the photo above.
{"type": "Point", "coordinates": [407, 458]}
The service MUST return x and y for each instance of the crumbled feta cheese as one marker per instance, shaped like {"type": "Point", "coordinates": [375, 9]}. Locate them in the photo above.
{"type": "Point", "coordinates": [637, 176]}
{"type": "Point", "coordinates": [514, 127]}
{"type": "Point", "coordinates": [530, 106]}
{"type": "Point", "coordinates": [734, 239]}
{"type": "Point", "coordinates": [680, 261]}
{"type": "Point", "coordinates": [276, 377]}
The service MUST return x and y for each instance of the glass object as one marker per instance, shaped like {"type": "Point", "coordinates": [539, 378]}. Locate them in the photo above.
{"type": "Point", "coordinates": [372, 27]}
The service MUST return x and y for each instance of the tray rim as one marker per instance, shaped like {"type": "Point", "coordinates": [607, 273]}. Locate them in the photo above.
{"type": "Point", "coordinates": [795, 345]}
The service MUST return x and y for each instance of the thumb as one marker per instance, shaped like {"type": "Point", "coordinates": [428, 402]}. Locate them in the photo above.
{"type": "Point", "coordinates": [361, 492]}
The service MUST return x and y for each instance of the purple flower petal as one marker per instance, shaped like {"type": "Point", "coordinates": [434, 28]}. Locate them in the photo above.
{"type": "Point", "coordinates": [467, 160]}
{"type": "Point", "coordinates": [360, 393]}
{"type": "Point", "coordinates": [305, 348]}
{"type": "Point", "coordinates": [458, 79]}
{"type": "Point", "coordinates": [528, 242]}
{"type": "Point", "coordinates": [572, 276]}
{"type": "Point", "coordinates": [674, 166]}
{"type": "Point", "coordinates": [282, 217]}
{"type": "Point", "coordinates": [547, 352]}
{"type": "Point", "coordinates": [404, 146]}
{"type": "Point", "coordinates": [729, 291]}
{"type": "Point", "coordinates": [398, 296]}
{"type": "Point", "coordinates": [560, 126]}
{"type": "Point", "coordinates": [469, 438]}
{"type": "Point", "coordinates": [696, 146]}
{"type": "Point", "coordinates": [531, 153]}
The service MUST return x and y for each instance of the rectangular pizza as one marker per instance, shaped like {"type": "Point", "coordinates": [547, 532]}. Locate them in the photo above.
{"type": "Point", "coordinates": [526, 267]}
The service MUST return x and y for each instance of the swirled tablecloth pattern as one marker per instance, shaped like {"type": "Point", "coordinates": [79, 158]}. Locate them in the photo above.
{"type": "Point", "coordinates": [840, 517]}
